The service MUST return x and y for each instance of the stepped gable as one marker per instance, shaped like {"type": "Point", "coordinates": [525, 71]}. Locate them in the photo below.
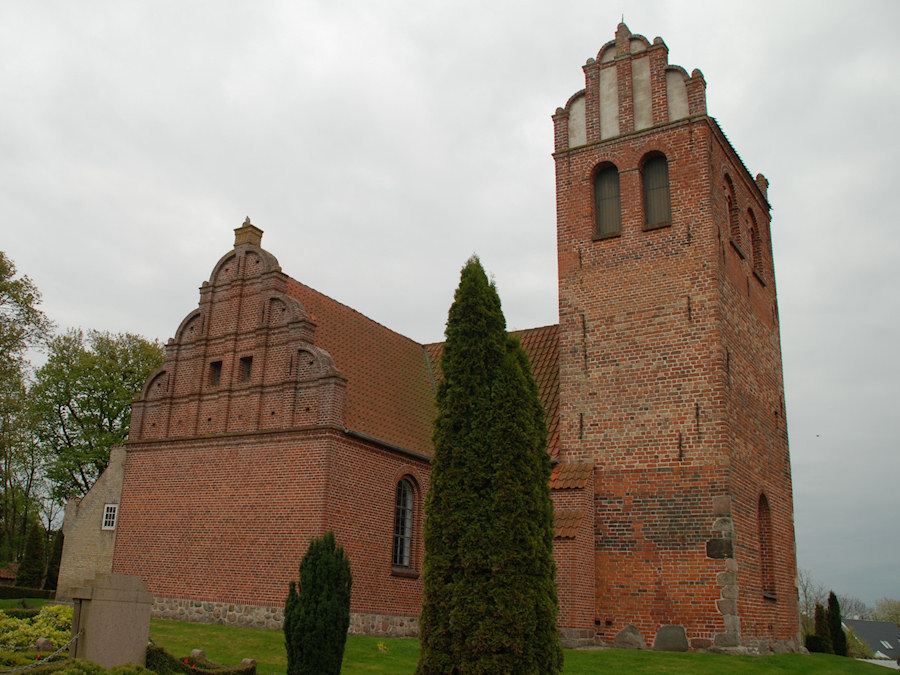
{"type": "Point", "coordinates": [389, 386]}
{"type": "Point", "coordinates": [542, 346]}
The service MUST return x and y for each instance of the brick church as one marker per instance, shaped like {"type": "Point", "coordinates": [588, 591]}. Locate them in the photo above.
{"type": "Point", "coordinates": [280, 413]}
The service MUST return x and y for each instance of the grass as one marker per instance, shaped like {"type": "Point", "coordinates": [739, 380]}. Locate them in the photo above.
{"type": "Point", "coordinates": [227, 645]}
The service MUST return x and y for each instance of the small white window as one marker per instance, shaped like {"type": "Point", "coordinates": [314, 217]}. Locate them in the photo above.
{"type": "Point", "coordinates": [110, 511]}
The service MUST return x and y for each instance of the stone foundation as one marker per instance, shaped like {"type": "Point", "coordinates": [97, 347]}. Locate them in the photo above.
{"type": "Point", "coordinates": [197, 611]}
{"type": "Point", "coordinates": [271, 618]}
{"type": "Point", "coordinates": [577, 638]}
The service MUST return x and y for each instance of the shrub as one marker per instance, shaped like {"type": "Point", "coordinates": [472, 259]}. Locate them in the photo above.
{"type": "Point", "coordinates": [317, 615]}
{"type": "Point", "coordinates": [12, 592]}
{"type": "Point", "coordinates": [52, 621]}
{"type": "Point", "coordinates": [161, 661]}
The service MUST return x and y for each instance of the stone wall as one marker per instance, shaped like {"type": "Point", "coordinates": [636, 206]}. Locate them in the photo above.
{"type": "Point", "coordinates": [271, 618]}
{"type": "Point", "coordinates": [87, 547]}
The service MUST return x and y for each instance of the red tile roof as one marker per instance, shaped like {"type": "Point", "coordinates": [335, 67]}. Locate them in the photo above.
{"type": "Point", "coordinates": [390, 394]}
{"type": "Point", "coordinates": [567, 523]}
{"type": "Point", "coordinates": [542, 347]}
{"type": "Point", "coordinates": [570, 476]}
{"type": "Point", "coordinates": [391, 379]}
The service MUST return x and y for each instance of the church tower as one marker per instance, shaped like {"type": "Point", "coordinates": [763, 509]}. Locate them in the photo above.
{"type": "Point", "coordinates": [671, 383]}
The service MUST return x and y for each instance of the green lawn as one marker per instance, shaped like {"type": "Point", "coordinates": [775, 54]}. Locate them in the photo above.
{"type": "Point", "coordinates": [227, 645]}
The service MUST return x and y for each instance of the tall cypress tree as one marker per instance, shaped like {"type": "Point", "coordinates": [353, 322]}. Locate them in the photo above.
{"type": "Point", "coordinates": [820, 640]}
{"type": "Point", "coordinates": [31, 569]}
{"type": "Point", "coordinates": [317, 614]}
{"type": "Point", "coordinates": [835, 628]}
{"type": "Point", "coordinates": [53, 561]}
{"type": "Point", "coordinates": [490, 602]}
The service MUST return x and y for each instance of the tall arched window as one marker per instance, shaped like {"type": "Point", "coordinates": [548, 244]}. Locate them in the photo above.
{"type": "Point", "coordinates": [607, 205]}
{"type": "Point", "coordinates": [403, 524]}
{"type": "Point", "coordinates": [655, 177]}
{"type": "Point", "coordinates": [755, 243]}
{"type": "Point", "coordinates": [766, 554]}
{"type": "Point", "coordinates": [734, 226]}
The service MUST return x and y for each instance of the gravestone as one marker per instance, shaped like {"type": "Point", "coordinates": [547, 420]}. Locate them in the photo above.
{"type": "Point", "coordinates": [112, 614]}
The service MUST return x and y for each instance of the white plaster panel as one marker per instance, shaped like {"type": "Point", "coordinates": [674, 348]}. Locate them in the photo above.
{"type": "Point", "coordinates": [640, 79]}
{"type": "Point", "coordinates": [676, 95]}
{"type": "Point", "coordinates": [636, 46]}
{"type": "Point", "coordinates": [608, 54]}
{"type": "Point", "coordinates": [577, 129]}
{"type": "Point", "coordinates": [609, 103]}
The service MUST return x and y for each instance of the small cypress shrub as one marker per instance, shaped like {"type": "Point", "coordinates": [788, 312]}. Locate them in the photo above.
{"type": "Point", "coordinates": [822, 641]}
{"type": "Point", "coordinates": [31, 569]}
{"type": "Point", "coordinates": [317, 612]}
{"type": "Point", "coordinates": [835, 629]}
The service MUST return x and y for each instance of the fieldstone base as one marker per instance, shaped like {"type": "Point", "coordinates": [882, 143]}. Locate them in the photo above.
{"type": "Point", "coordinates": [198, 611]}
{"type": "Point", "coordinates": [271, 618]}
{"type": "Point", "coordinates": [577, 638]}
{"type": "Point", "coordinates": [384, 626]}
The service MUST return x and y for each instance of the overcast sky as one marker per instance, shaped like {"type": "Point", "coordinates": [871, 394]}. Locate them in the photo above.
{"type": "Point", "coordinates": [379, 144]}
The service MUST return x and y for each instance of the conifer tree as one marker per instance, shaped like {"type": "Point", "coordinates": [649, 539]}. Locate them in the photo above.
{"type": "Point", "coordinates": [835, 627]}
{"type": "Point", "coordinates": [31, 569]}
{"type": "Point", "coordinates": [820, 640]}
{"type": "Point", "coordinates": [490, 603]}
{"type": "Point", "coordinates": [53, 562]}
{"type": "Point", "coordinates": [317, 613]}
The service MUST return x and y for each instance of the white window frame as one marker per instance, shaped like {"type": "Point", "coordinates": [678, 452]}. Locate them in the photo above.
{"type": "Point", "coordinates": [110, 516]}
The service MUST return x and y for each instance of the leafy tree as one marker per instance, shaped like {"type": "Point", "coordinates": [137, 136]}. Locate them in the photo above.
{"type": "Point", "coordinates": [835, 626]}
{"type": "Point", "coordinates": [22, 327]}
{"type": "Point", "coordinates": [490, 602]}
{"type": "Point", "coordinates": [887, 609]}
{"type": "Point", "coordinates": [853, 608]}
{"type": "Point", "coordinates": [22, 324]}
{"type": "Point", "coordinates": [811, 593]}
{"type": "Point", "coordinates": [83, 396]}
{"type": "Point", "coordinates": [317, 614]}
{"type": "Point", "coordinates": [31, 569]}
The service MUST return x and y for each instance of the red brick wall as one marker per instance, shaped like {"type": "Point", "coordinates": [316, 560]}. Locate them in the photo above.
{"type": "Point", "coordinates": [648, 321]}
{"type": "Point", "coordinates": [228, 519]}
{"type": "Point", "coordinates": [226, 482]}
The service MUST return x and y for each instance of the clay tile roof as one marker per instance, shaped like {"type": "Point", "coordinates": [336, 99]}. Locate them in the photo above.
{"type": "Point", "coordinates": [542, 347]}
{"type": "Point", "coordinates": [570, 476]}
{"type": "Point", "coordinates": [567, 523]}
{"type": "Point", "coordinates": [391, 379]}
{"type": "Point", "coordinates": [390, 391]}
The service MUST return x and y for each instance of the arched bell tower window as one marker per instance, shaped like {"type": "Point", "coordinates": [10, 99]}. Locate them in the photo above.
{"type": "Point", "coordinates": [607, 204]}
{"type": "Point", "coordinates": [655, 179]}
{"type": "Point", "coordinates": [766, 554]}
{"type": "Point", "coordinates": [403, 525]}
{"type": "Point", "coordinates": [755, 243]}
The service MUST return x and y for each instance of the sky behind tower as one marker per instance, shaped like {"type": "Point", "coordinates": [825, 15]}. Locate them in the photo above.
{"type": "Point", "coordinates": [378, 145]}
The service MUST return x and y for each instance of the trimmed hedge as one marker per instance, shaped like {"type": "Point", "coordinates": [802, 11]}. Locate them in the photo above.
{"type": "Point", "coordinates": [160, 661]}
{"type": "Point", "coordinates": [21, 612]}
{"type": "Point", "coordinates": [22, 592]}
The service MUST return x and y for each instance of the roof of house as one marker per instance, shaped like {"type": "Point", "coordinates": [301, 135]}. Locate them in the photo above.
{"type": "Point", "coordinates": [882, 637]}
{"type": "Point", "coordinates": [391, 380]}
